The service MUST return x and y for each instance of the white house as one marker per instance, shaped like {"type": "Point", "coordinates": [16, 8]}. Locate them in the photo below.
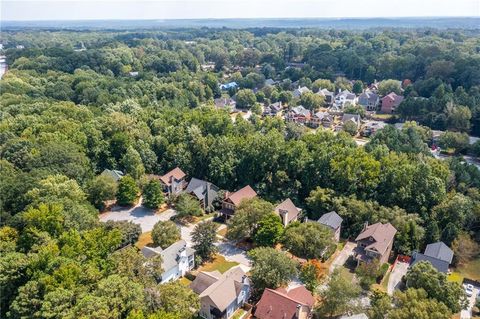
{"type": "Point", "coordinates": [345, 97]}
{"type": "Point", "coordinates": [177, 259]}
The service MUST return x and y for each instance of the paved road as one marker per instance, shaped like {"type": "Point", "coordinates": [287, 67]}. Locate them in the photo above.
{"type": "Point", "coordinates": [342, 257]}
{"type": "Point", "coordinates": [396, 275]}
{"type": "Point", "coordinates": [233, 253]}
{"type": "Point", "coordinates": [138, 214]}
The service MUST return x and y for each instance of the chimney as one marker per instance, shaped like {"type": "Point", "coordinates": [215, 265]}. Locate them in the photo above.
{"type": "Point", "coordinates": [365, 226]}
{"type": "Point", "coordinates": [298, 310]}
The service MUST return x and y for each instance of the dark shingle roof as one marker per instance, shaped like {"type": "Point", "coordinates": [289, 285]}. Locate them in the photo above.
{"type": "Point", "coordinates": [439, 251]}
{"type": "Point", "coordinates": [203, 190]}
{"type": "Point", "coordinates": [332, 220]}
{"type": "Point", "coordinates": [438, 264]}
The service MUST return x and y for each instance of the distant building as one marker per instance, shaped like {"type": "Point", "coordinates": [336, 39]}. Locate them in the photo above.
{"type": "Point", "coordinates": [438, 254]}
{"type": "Point", "coordinates": [177, 259]}
{"type": "Point", "coordinates": [273, 109]}
{"type": "Point", "coordinates": [299, 115]}
{"type": "Point", "coordinates": [225, 103]}
{"type": "Point", "coordinates": [221, 294]}
{"type": "Point", "coordinates": [390, 102]}
{"type": "Point", "coordinates": [323, 119]}
{"type": "Point", "coordinates": [301, 90]}
{"type": "Point", "coordinates": [292, 303]}
{"type": "Point", "coordinates": [334, 222]}
{"type": "Point", "coordinates": [270, 82]}
{"type": "Point", "coordinates": [228, 86]}
{"type": "Point", "coordinates": [115, 174]}
{"type": "Point", "coordinates": [369, 100]}
{"type": "Point", "coordinates": [133, 74]}
{"type": "Point", "coordinates": [345, 97]}
{"type": "Point", "coordinates": [329, 96]}
{"type": "Point", "coordinates": [287, 211]}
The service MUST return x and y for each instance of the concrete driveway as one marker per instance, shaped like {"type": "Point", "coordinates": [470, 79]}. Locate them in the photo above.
{"type": "Point", "coordinates": [396, 275]}
{"type": "Point", "coordinates": [342, 257]}
{"type": "Point", "coordinates": [138, 214]}
{"type": "Point", "coordinates": [467, 313]}
{"type": "Point", "coordinates": [233, 253]}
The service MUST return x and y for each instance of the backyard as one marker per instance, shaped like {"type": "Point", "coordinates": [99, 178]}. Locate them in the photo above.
{"type": "Point", "coordinates": [470, 270]}
{"type": "Point", "coordinates": [218, 263]}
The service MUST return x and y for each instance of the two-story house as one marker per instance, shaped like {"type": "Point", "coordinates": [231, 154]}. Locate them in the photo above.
{"type": "Point", "coordinates": [221, 294]}
{"type": "Point", "coordinates": [334, 222]}
{"type": "Point", "coordinates": [174, 181]}
{"type": "Point", "coordinates": [438, 254]}
{"type": "Point", "coordinates": [299, 115]}
{"type": "Point", "coordinates": [204, 191]}
{"type": "Point", "coordinates": [390, 102]}
{"type": "Point", "coordinates": [345, 97]}
{"type": "Point", "coordinates": [369, 100]}
{"type": "Point", "coordinates": [375, 242]}
{"type": "Point", "coordinates": [233, 200]}
{"type": "Point", "coordinates": [287, 211]}
{"type": "Point", "coordinates": [322, 119]}
{"type": "Point", "coordinates": [329, 96]}
{"type": "Point", "coordinates": [177, 259]}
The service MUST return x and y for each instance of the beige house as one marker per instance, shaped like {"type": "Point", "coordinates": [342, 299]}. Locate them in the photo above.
{"type": "Point", "coordinates": [233, 200]}
{"type": "Point", "coordinates": [221, 294]}
{"type": "Point", "coordinates": [287, 211]}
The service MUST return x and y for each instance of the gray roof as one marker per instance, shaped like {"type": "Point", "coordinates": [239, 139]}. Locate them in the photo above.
{"type": "Point", "coordinates": [115, 174]}
{"type": "Point", "coordinates": [203, 190]}
{"type": "Point", "coordinates": [169, 254]}
{"type": "Point", "coordinates": [439, 251]}
{"type": "Point", "coordinates": [324, 115]}
{"type": "Point", "coordinates": [438, 264]}
{"type": "Point", "coordinates": [269, 82]}
{"type": "Point", "coordinates": [368, 95]}
{"type": "Point", "coordinates": [332, 220]}
{"type": "Point", "coordinates": [301, 110]}
{"type": "Point", "coordinates": [351, 117]}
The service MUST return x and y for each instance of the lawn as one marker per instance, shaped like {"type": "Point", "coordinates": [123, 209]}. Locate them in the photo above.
{"type": "Point", "coordinates": [184, 281]}
{"type": "Point", "coordinates": [222, 232]}
{"type": "Point", "coordinates": [239, 314]}
{"type": "Point", "coordinates": [144, 240]}
{"type": "Point", "coordinates": [470, 270]}
{"type": "Point", "coordinates": [218, 263]}
{"type": "Point", "coordinates": [455, 277]}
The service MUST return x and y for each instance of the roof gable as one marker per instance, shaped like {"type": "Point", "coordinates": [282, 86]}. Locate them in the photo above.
{"type": "Point", "coordinates": [440, 251]}
{"type": "Point", "coordinates": [246, 192]}
{"type": "Point", "coordinates": [175, 173]}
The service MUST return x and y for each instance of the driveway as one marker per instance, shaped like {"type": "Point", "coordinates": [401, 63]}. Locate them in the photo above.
{"type": "Point", "coordinates": [138, 214]}
{"type": "Point", "coordinates": [233, 253]}
{"type": "Point", "coordinates": [467, 313]}
{"type": "Point", "coordinates": [342, 257]}
{"type": "Point", "coordinates": [396, 275]}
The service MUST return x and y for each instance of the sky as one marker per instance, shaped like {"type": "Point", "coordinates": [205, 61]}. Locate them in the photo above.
{"type": "Point", "coordinates": [20, 10]}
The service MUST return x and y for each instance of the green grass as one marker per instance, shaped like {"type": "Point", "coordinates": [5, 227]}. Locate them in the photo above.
{"type": "Point", "coordinates": [218, 263]}
{"type": "Point", "coordinates": [238, 314]}
{"type": "Point", "coordinates": [185, 281]}
{"type": "Point", "coordinates": [470, 270]}
{"type": "Point", "coordinates": [345, 273]}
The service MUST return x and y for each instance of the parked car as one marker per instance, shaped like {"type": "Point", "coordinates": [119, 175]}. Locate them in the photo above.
{"type": "Point", "coordinates": [468, 289]}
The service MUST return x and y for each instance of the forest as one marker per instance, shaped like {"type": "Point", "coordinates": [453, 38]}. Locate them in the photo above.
{"type": "Point", "coordinates": [74, 103]}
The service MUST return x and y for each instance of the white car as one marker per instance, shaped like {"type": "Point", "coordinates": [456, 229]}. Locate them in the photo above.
{"type": "Point", "coordinates": [468, 289]}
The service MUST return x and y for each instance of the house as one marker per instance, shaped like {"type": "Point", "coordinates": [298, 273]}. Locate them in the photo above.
{"type": "Point", "coordinates": [287, 211]}
{"type": "Point", "coordinates": [355, 118]}
{"type": "Point", "coordinates": [133, 74]}
{"type": "Point", "coordinates": [270, 82]}
{"type": "Point", "coordinates": [298, 92]}
{"type": "Point", "coordinates": [329, 96]}
{"type": "Point", "coordinates": [233, 200]}
{"type": "Point", "coordinates": [438, 254]}
{"type": "Point", "coordinates": [285, 303]}
{"type": "Point", "coordinates": [225, 103]}
{"type": "Point", "coordinates": [115, 174]}
{"type": "Point", "coordinates": [375, 242]}
{"type": "Point", "coordinates": [369, 100]}
{"type": "Point", "coordinates": [298, 114]}
{"type": "Point", "coordinates": [345, 97]}
{"type": "Point", "coordinates": [221, 294]}
{"type": "Point", "coordinates": [322, 119]}
{"type": "Point", "coordinates": [209, 66]}
{"type": "Point", "coordinates": [273, 109]}
{"type": "Point", "coordinates": [334, 222]}
{"type": "Point", "coordinates": [174, 181]}
{"type": "Point", "coordinates": [390, 102]}
{"type": "Point", "coordinates": [228, 86]}
{"type": "Point", "coordinates": [177, 259]}
{"type": "Point", "coordinates": [371, 127]}
{"type": "Point", "coordinates": [204, 191]}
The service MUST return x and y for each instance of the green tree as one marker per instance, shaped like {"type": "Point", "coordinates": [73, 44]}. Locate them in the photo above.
{"type": "Point", "coordinates": [312, 101]}
{"type": "Point", "coordinates": [415, 303]}
{"type": "Point", "coordinates": [357, 87]}
{"type": "Point", "coordinates": [269, 232]}
{"type": "Point", "coordinates": [311, 274]}
{"type": "Point", "coordinates": [307, 240]}
{"type": "Point", "coordinates": [153, 195]}
{"type": "Point", "coordinates": [424, 276]}
{"type": "Point", "coordinates": [245, 99]}
{"type": "Point", "coordinates": [132, 162]}
{"type": "Point", "coordinates": [101, 189]}
{"type": "Point", "coordinates": [270, 268]}
{"type": "Point", "coordinates": [339, 295]}
{"type": "Point", "coordinates": [458, 142]}
{"type": "Point", "coordinates": [319, 202]}
{"type": "Point", "coordinates": [244, 222]}
{"type": "Point", "coordinates": [323, 84]}
{"type": "Point", "coordinates": [381, 304]}
{"type": "Point", "coordinates": [179, 299]}
{"type": "Point", "coordinates": [204, 237]}
{"type": "Point", "coordinates": [465, 249]}
{"type": "Point", "coordinates": [187, 206]}
{"type": "Point", "coordinates": [130, 232]}
{"type": "Point", "coordinates": [387, 86]}
{"type": "Point", "coordinates": [351, 128]}
{"type": "Point", "coordinates": [165, 233]}
{"type": "Point", "coordinates": [127, 191]}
